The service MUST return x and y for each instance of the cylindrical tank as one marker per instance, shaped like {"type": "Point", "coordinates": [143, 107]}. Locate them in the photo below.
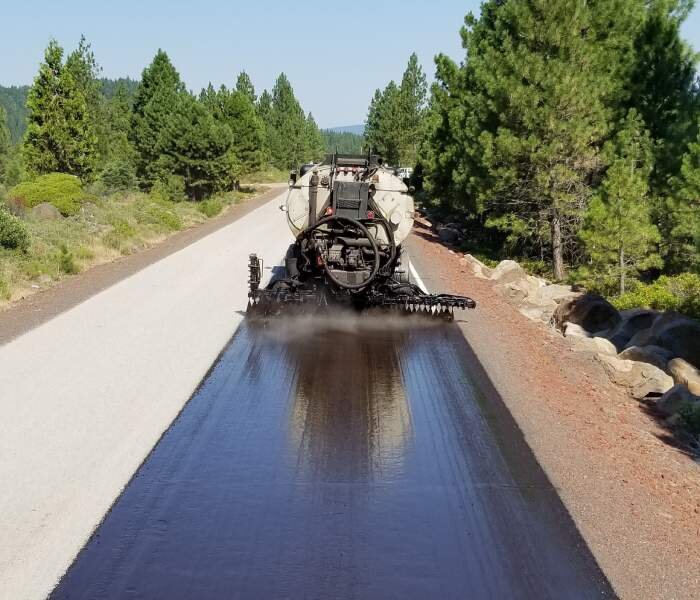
{"type": "Point", "coordinates": [390, 196]}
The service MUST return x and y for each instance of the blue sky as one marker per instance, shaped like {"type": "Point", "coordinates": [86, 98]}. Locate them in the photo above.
{"type": "Point", "coordinates": [335, 53]}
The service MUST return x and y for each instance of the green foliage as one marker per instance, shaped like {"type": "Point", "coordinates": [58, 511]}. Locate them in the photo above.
{"type": "Point", "coordinates": [61, 135]}
{"type": "Point", "coordinates": [198, 148]}
{"type": "Point", "coordinates": [155, 103]}
{"type": "Point", "coordinates": [236, 110]}
{"type": "Point", "coordinates": [14, 100]}
{"type": "Point", "coordinates": [118, 175]}
{"type": "Point", "coordinates": [396, 116]}
{"type": "Point", "coordinates": [170, 188]}
{"type": "Point", "coordinates": [618, 234]}
{"type": "Point", "coordinates": [292, 138]}
{"type": "Point", "coordinates": [211, 207]}
{"type": "Point", "coordinates": [66, 261]}
{"type": "Point", "coordinates": [4, 143]}
{"type": "Point", "coordinates": [65, 192]}
{"type": "Point", "coordinates": [245, 86]}
{"type": "Point", "coordinates": [680, 293]}
{"type": "Point", "coordinates": [344, 142]}
{"type": "Point", "coordinates": [13, 232]}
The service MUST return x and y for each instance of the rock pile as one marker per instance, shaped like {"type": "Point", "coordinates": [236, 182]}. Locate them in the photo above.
{"type": "Point", "coordinates": [653, 354]}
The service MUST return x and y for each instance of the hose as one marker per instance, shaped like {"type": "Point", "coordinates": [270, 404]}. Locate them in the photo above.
{"type": "Point", "coordinates": [373, 244]}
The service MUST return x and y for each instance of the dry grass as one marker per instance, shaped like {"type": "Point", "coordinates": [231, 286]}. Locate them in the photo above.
{"type": "Point", "coordinates": [100, 232]}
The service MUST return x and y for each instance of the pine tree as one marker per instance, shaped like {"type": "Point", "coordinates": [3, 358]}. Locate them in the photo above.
{"type": "Point", "coordinates": [412, 102]}
{"type": "Point", "coordinates": [235, 109]}
{"type": "Point", "coordinates": [195, 146]}
{"type": "Point", "coordinates": [60, 134]}
{"type": "Point", "coordinates": [119, 171]}
{"type": "Point", "coordinates": [315, 146]}
{"type": "Point", "coordinates": [383, 126]}
{"type": "Point", "coordinates": [532, 112]}
{"type": "Point", "coordinates": [618, 233]}
{"type": "Point", "coordinates": [4, 143]}
{"type": "Point", "coordinates": [683, 215]}
{"type": "Point", "coordinates": [154, 103]}
{"type": "Point", "coordinates": [264, 112]}
{"type": "Point", "coordinates": [287, 132]}
{"type": "Point", "coordinates": [245, 86]}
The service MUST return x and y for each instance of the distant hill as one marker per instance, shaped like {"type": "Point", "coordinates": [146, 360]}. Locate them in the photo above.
{"type": "Point", "coordinates": [356, 129]}
{"type": "Point", "coordinates": [14, 100]}
{"type": "Point", "coordinates": [345, 142]}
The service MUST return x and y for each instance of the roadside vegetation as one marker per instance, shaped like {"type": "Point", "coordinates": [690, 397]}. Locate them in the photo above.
{"type": "Point", "coordinates": [567, 139]}
{"type": "Point", "coordinates": [92, 169]}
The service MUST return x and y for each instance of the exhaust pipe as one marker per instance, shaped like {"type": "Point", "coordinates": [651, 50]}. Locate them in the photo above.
{"type": "Point", "coordinates": [313, 198]}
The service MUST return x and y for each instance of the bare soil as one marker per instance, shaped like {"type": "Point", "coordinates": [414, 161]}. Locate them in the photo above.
{"type": "Point", "coordinates": [634, 494]}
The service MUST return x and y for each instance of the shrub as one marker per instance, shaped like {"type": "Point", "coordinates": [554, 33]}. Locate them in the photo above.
{"type": "Point", "coordinates": [690, 419]}
{"type": "Point", "coordinates": [66, 261]}
{"type": "Point", "coordinates": [118, 176]}
{"type": "Point", "coordinates": [13, 232]}
{"type": "Point", "coordinates": [171, 188]}
{"type": "Point", "coordinates": [680, 293]}
{"type": "Point", "coordinates": [65, 192]}
{"type": "Point", "coordinates": [211, 207]}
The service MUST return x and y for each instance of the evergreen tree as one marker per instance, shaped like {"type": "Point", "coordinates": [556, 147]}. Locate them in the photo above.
{"type": "Point", "coordinates": [119, 172]}
{"type": "Point", "coordinates": [264, 111]}
{"type": "Point", "coordinates": [235, 109]}
{"type": "Point", "coordinates": [530, 111]}
{"type": "Point", "coordinates": [619, 235]}
{"type": "Point", "coordinates": [154, 103]}
{"type": "Point", "coordinates": [4, 143]}
{"type": "Point", "coordinates": [683, 215]}
{"type": "Point", "coordinates": [60, 134]}
{"type": "Point", "coordinates": [383, 125]}
{"type": "Point", "coordinates": [287, 127]}
{"type": "Point", "coordinates": [245, 86]}
{"type": "Point", "coordinates": [195, 146]}
{"type": "Point", "coordinates": [663, 88]}
{"type": "Point", "coordinates": [315, 146]}
{"type": "Point", "coordinates": [412, 102]}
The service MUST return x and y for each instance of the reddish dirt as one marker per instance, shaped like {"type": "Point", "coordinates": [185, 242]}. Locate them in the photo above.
{"type": "Point", "coordinates": [634, 495]}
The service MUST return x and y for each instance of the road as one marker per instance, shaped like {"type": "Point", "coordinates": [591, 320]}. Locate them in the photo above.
{"type": "Point", "coordinates": [339, 459]}
{"type": "Point", "coordinates": [85, 396]}
{"type": "Point", "coordinates": [343, 459]}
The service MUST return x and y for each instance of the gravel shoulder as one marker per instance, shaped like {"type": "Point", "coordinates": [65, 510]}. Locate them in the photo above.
{"type": "Point", "coordinates": [86, 395]}
{"type": "Point", "coordinates": [634, 497]}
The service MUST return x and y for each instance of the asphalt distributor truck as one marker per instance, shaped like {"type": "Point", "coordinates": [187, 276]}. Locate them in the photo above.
{"type": "Point", "coordinates": [349, 215]}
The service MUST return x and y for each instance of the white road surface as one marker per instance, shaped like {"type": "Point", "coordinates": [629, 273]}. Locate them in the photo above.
{"type": "Point", "coordinates": [86, 396]}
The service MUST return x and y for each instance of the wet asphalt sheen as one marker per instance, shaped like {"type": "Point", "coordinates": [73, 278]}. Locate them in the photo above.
{"type": "Point", "coordinates": [339, 459]}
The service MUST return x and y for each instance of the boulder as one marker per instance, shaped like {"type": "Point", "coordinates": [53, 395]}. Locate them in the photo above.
{"type": "Point", "coordinates": [685, 373]}
{"type": "Point", "coordinates": [591, 311]}
{"type": "Point", "coordinates": [596, 345]}
{"type": "Point", "coordinates": [515, 292]}
{"type": "Point", "coordinates": [46, 212]}
{"type": "Point", "coordinates": [554, 293]}
{"type": "Point", "coordinates": [16, 206]}
{"type": "Point", "coordinates": [676, 333]}
{"type": "Point", "coordinates": [641, 379]}
{"type": "Point", "coordinates": [633, 322]}
{"type": "Point", "coordinates": [536, 312]}
{"type": "Point", "coordinates": [675, 399]}
{"type": "Point", "coordinates": [652, 355]}
{"type": "Point", "coordinates": [448, 235]}
{"type": "Point", "coordinates": [508, 271]}
{"type": "Point", "coordinates": [479, 269]}
{"type": "Point", "coordinates": [572, 330]}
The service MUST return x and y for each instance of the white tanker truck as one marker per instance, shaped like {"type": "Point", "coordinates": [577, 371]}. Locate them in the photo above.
{"type": "Point", "coordinates": [349, 216]}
